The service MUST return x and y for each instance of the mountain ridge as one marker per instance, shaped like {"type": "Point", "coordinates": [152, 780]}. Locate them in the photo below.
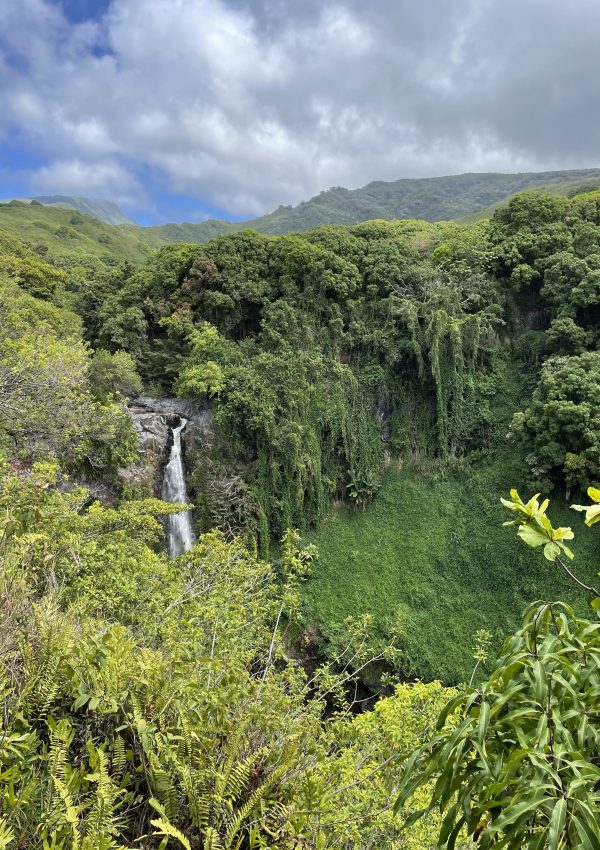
{"type": "Point", "coordinates": [429, 198]}
{"type": "Point", "coordinates": [465, 197]}
{"type": "Point", "coordinates": [99, 208]}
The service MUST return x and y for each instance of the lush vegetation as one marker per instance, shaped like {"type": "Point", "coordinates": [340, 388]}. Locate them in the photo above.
{"type": "Point", "coordinates": [428, 198]}
{"type": "Point", "coordinates": [519, 766]}
{"type": "Point", "coordinates": [71, 237]}
{"type": "Point", "coordinates": [375, 387]}
{"type": "Point", "coordinates": [464, 196]}
{"type": "Point", "coordinates": [103, 210]}
{"type": "Point", "coordinates": [429, 560]}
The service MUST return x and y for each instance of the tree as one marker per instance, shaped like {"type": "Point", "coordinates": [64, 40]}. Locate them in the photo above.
{"type": "Point", "coordinates": [114, 376]}
{"type": "Point", "coordinates": [562, 423]}
{"type": "Point", "coordinates": [46, 404]}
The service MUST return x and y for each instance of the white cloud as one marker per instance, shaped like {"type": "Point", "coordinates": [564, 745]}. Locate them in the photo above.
{"type": "Point", "coordinates": [251, 103]}
{"type": "Point", "coordinates": [106, 178]}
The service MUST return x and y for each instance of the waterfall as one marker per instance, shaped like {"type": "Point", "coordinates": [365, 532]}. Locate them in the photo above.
{"type": "Point", "coordinates": [180, 536]}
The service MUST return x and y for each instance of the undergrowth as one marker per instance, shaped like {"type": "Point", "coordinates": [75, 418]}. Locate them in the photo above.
{"type": "Point", "coordinates": [429, 557]}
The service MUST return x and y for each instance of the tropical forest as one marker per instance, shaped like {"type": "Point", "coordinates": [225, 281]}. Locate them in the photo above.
{"type": "Point", "coordinates": [296, 532]}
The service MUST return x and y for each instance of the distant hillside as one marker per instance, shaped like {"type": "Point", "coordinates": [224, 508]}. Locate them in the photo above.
{"type": "Point", "coordinates": [68, 232]}
{"type": "Point", "coordinates": [69, 235]}
{"type": "Point", "coordinates": [429, 198]}
{"type": "Point", "coordinates": [95, 207]}
{"type": "Point", "coordinates": [166, 234]}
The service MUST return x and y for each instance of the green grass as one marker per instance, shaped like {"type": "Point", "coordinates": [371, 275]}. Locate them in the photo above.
{"type": "Point", "coordinates": [70, 235]}
{"type": "Point", "coordinates": [433, 548]}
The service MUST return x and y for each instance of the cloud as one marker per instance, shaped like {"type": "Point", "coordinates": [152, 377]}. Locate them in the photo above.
{"type": "Point", "coordinates": [107, 178]}
{"type": "Point", "coordinates": [246, 104]}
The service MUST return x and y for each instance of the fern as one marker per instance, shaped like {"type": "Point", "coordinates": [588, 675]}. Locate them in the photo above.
{"type": "Point", "coordinates": [212, 840]}
{"type": "Point", "coordinates": [119, 756]}
{"type": "Point", "coordinates": [163, 827]}
{"type": "Point", "coordinates": [69, 815]}
{"type": "Point", "coordinates": [102, 823]}
{"type": "Point", "coordinates": [163, 787]}
{"type": "Point", "coordinates": [7, 834]}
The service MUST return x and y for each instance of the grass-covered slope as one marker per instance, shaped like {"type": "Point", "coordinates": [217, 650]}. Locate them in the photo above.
{"type": "Point", "coordinates": [431, 547]}
{"type": "Point", "coordinates": [69, 235]}
{"type": "Point", "coordinates": [103, 210]}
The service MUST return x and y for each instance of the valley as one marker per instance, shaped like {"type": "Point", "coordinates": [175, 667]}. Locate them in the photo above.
{"type": "Point", "coordinates": [343, 408]}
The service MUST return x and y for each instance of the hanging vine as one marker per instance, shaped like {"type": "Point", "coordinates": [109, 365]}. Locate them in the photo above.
{"type": "Point", "coordinates": [449, 345]}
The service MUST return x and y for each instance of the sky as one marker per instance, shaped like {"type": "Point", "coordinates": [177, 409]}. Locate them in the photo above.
{"type": "Point", "coordinates": [188, 109]}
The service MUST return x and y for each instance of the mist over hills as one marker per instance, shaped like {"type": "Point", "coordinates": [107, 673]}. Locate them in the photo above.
{"type": "Point", "coordinates": [95, 207]}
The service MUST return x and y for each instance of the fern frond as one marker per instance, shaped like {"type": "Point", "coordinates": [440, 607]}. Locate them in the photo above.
{"type": "Point", "coordinates": [164, 827]}
{"type": "Point", "coordinates": [70, 812]}
{"type": "Point", "coordinates": [163, 786]}
{"type": "Point", "coordinates": [102, 823]}
{"type": "Point", "coordinates": [6, 834]}
{"type": "Point", "coordinates": [251, 804]}
{"type": "Point", "coordinates": [119, 756]}
{"type": "Point", "coordinates": [212, 840]}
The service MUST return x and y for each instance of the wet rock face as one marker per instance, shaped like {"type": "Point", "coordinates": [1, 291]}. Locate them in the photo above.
{"type": "Point", "coordinates": [152, 416]}
{"type": "Point", "coordinates": [153, 419]}
{"type": "Point", "coordinates": [153, 430]}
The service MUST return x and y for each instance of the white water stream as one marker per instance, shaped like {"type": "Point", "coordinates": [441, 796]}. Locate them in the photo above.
{"type": "Point", "coordinates": [180, 536]}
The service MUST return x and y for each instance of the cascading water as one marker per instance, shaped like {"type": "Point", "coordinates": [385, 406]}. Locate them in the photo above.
{"type": "Point", "coordinates": [180, 536]}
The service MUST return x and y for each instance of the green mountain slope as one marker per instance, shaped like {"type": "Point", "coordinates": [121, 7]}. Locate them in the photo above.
{"type": "Point", "coordinates": [468, 197]}
{"type": "Point", "coordinates": [430, 198]}
{"type": "Point", "coordinates": [96, 207]}
{"type": "Point", "coordinates": [69, 235]}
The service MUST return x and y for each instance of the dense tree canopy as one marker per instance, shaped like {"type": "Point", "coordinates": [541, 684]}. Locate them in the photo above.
{"type": "Point", "coordinates": [191, 702]}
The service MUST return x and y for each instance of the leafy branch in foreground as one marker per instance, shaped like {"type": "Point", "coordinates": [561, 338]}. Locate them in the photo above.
{"type": "Point", "coordinates": [516, 762]}
{"type": "Point", "coordinates": [535, 529]}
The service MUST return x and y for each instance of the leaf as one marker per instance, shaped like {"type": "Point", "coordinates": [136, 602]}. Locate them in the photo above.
{"type": "Point", "coordinates": [594, 494]}
{"type": "Point", "coordinates": [551, 551]}
{"type": "Point", "coordinates": [532, 536]}
{"type": "Point", "coordinates": [413, 818]}
{"type": "Point", "coordinates": [512, 813]}
{"type": "Point", "coordinates": [80, 701]}
{"type": "Point", "coordinates": [557, 823]}
{"type": "Point", "coordinates": [592, 515]}
{"type": "Point", "coordinates": [484, 719]}
{"type": "Point", "coordinates": [568, 552]}
{"type": "Point", "coordinates": [589, 833]}
{"type": "Point", "coordinates": [563, 533]}
{"type": "Point", "coordinates": [163, 827]}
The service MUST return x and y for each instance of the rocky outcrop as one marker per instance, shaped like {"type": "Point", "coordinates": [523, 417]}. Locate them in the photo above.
{"type": "Point", "coordinates": [153, 416]}
{"type": "Point", "coordinates": [153, 430]}
{"type": "Point", "coordinates": [153, 419]}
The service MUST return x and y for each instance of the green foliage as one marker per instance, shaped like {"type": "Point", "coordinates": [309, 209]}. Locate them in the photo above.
{"type": "Point", "coordinates": [52, 228]}
{"type": "Point", "coordinates": [534, 527]}
{"type": "Point", "coordinates": [430, 552]}
{"type": "Point", "coordinates": [47, 405]}
{"type": "Point", "coordinates": [363, 772]}
{"type": "Point", "coordinates": [516, 761]}
{"type": "Point", "coordinates": [114, 376]}
{"type": "Point", "coordinates": [148, 699]}
{"type": "Point", "coordinates": [561, 422]}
